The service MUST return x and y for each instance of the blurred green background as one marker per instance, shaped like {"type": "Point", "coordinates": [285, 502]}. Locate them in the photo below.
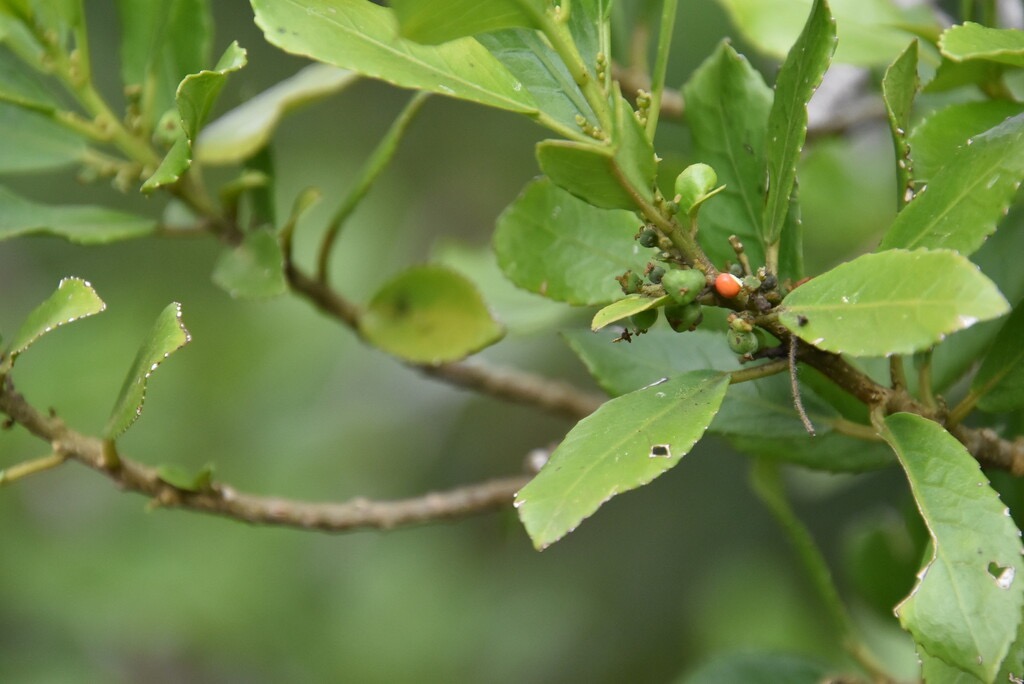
{"type": "Point", "coordinates": [93, 588]}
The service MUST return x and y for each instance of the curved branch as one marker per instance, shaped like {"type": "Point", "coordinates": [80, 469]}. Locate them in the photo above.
{"type": "Point", "coordinates": [220, 499]}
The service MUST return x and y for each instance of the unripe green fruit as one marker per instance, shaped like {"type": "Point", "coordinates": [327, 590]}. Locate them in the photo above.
{"type": "Point", "coordinates": [630, 282]}
{"type": "Point", "coordinates": [644, 319]}
{"type": "Point", "coordinates": [742, 342]}
{"type": "Point", "coordinates": [648, 237]}
{"type": "Point", "coordinates": [683, 286]}
{"type": "Point", "coordinates": [655, 275]}
{"type": "Point", "coordinates": [684, 317]}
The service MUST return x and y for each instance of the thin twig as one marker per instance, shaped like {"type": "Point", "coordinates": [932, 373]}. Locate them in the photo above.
{"type": "Point", "coordinates": [219, 499]}
{"type": "Point", "coordinates": [794, 382]}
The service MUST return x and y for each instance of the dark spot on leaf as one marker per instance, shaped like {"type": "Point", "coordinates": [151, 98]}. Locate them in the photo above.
{"type": "Point", "coordinates": [661, 451]}
{"type": "Point", "coordinates": [801, 320]}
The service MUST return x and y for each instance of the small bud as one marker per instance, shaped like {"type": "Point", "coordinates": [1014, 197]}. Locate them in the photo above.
{"type": "Point", "coordinates": [742, 342]}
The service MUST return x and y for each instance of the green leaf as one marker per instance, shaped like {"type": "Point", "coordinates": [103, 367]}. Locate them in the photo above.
{"type": "Point", "coordinates": [438, 21]}
{"type": "Point", "coordinates": [74, 299]}
{"type": "Point", "coordinates": [162, 41]}
{"type": "Point", "coordinates": [35, 142]}
{"type": "Point", "coordinates": [758, 668]}
{"type": "Point", "coordinates": [623, 445]}
{"type": "Point", "coordinates": [727, 105]}
{"type": "Point", "coordinates": [358, 35]}
{"type": "Point", "coordinates": [614, 176]}
{"type": "Point", "coordinates": [832, 452]}
{"type": "Point", "coordinates": [966, 607]}
{"type": "Point", "coordinates": [84, 225]}
{"type": "Point", "coordinates": [798, 78]}
{"type": "Point", "coordinates": [246, 129]}
{"type": "Point", "coordinates": [21, 85]}
{"type": "Point", "coordinates": [966, 199]}
{"type": "Point", "coordinates": [253, 269]}
{"type": "Point", "coordinates": [195, 98]}
{"type": "Point", "coordinates": [530, 59]}
{"type": "Point", "coordinates": [1000, 380]}
{"type": "Point", "coordinates": [624, 308]}
{"type": "Point", "coordinates": [551, 243]}
{"type": "Point", "coordinates": [899, 87]}
{"type": "Point", "coordinates": [180, 478]}
{"type": "Point", "coordinates": [167, 336]}
{"type": "Point", "coordinates": [871, 32]}
{"type": "Point", "coordinates": [893, 302]}
{"type": "Point", "coordinates": [624, 368]}
{"type": "Point", "coordinates": [936, 138]}
{"type": "Point", "coordinates": [431, 315]}
{"type": "Point", "coordinates": [974, 41]}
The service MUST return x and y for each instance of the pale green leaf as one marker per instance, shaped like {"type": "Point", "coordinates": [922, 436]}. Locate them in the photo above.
{"type": "Point", "coordinates": [798, 78]}
{"type": "Point", "coordinates": [74, 299]}
{"type": "Point", "coordinates": [358, 35]}
{"type": "Point", "coordinates": [727, 105]}
{"type": "Point", "coordinates": [81, 224]}
{"type": "Point", "coordinates": [899, 88]}
{"type": "Point", "coordinates": [438, 21]}
{"type": "Point", "coordinates": [551, 243]}
{"type": "Point", "coordinates": [624, 308]}
{"type": "Point", "coordinates": [893, 302]}
{"type": "Point", "coordinates": [966, 607]}
{"type": "Point", "coordinates": [936, 138]}
{"type": "Point", "coordinates": [240, 133]}
{"type": "Point", "coordinates": [162, 41]}
{"type": "Point", "coordinates": [32, 141]}
{"type": "Point", "coordinates": [758, 668]}
{"type": "Point", "coordinates": [1000, 380]}
{"type": "Point", "coordinates": [195, 97]}
{"type": "Point", "coordinates": [965, 200]}
{"type": "Point", "coordinates": [974, 41]}
{"type": "Point", "coordinates": [253, 269]}
{"type": "Point", "coordinates": [430, 315]}
{"type": "Point", "coordinates": [623, 445]}
{"type": "Point", "coordinates": [530, 59]}
{"type": "Point", "coordinates": [610, 176]}
{"type": "Point", "coordinates": [167, 336]}
{"type": "Point", "coordinates": [871, 32]}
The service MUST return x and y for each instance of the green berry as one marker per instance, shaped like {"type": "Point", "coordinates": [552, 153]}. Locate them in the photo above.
{"type": "Point", "coordinates": [655, 275]}
{"type": "Point", "coordinates": [645, 319]}
{"type": "Point", "coordinates": [683, 286]}
{"type": "Point", "coordinates": [630, 282]}
{"type": "Point", "coordinates": [684, 317]}
{"type": "Point", "coordinates": [742, 342]}
{"type": "Point", "coordinates": [648, 237]}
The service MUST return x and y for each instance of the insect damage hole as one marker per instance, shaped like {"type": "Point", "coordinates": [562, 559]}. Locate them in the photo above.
{"type": "Point", "coordinates": [661, 451]}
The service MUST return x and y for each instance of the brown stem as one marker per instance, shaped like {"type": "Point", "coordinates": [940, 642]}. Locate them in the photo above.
{"type": "Point", "coordinates": [225, 501]}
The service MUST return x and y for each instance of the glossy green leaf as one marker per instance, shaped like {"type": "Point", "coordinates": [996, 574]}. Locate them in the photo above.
{"type": "Point", "coordinates": [167, 336]}
{"type": "Point", "coordinates": [624, 308]}
{"type": "Point", "coordinates": [798, 78]}
{"type": "Point", "coordinates": [195, 98]}
{"type": "Point", "coordinates": [623, 445]}
{"type": "Point", "coordinates": [253, 269]}
{"type": "Point", "coordinates": [607, 176]}
{"type": "Point", "coordinates": [893, 302]}
{"type": "Point", "coordinates": [240, 133]}
{"type": "Point", "coordinates": [966, 199]}
{"type": "Point", "coordinates": [438, 21]}
{"type": "Point", "coordinates": [623, 368]}
{"type": "Point", "coordinates": [935, 139]}
{"type": "Point", "coordinates": [551, 243]}
{"type": "Point", "coordinates": [1000, 380]}
{"type": "Point", "coordinates": [358, 35]}
{"type": "Point", "coordinates": [974, 41]}
{"type": "Point", "coordinates": [758, 668]}
{"type": "Point", "coordinates": [35, 142]}
{"type": "Point", "coordinates": [81, 224]}
{"type": "Point", "coordinates": [727, 105]}
{"type": "Point", "coordinates": [976, 553]}
{"type": "Point", "coordinates": [530, 59]}
{"type": "Point", "coordinates": [162, 41]}
{"type": "Point", "coordinates": [74, 299]}
{"type": "Point", "coordinates": [180, 478]}
{"type": "Point", "coordinates": [899, 87]}
{"type": "Point", "coordinates": [871, 32]}
{"type": "Point", "coordinates": [429, 314]}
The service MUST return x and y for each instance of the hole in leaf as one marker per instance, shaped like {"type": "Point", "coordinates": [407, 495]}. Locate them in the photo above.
{"type": "Point", "coordinates": [661, 451]}
{"type": "Point", "coordinates": [1002, 575]}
